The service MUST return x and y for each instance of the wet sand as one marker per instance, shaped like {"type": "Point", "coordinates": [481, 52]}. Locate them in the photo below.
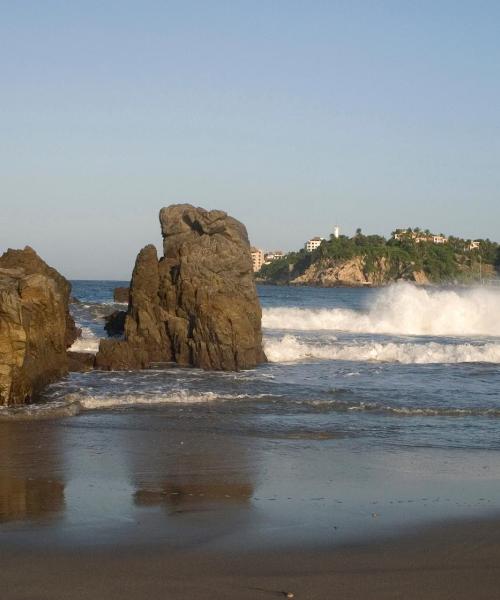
{"type": "Point", "coordinates": [139, 505]}
{"type": "Point", "coordinates": [454, 560]}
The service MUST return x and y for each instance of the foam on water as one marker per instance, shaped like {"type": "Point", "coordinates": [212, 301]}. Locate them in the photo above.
{"type": "Point", "coordinates": [402, 309]}
{"type": "Point", "coordinates": [74, 403]}
{"type": "Point", "coordinates": [87, 342]}
{"type": "Point", "coordinates": [405, 411]}
{"type": "Point", "coordinates": [105, 401]}
{"type": "Point", "coordinates": [48, 410]}
{"type": "Point", "coordinates": [291, 349]}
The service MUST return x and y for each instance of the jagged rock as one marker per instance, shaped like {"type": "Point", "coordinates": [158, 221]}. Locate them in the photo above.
{"type": "Point", "coordinates": [120, 294]}
{"type": "Point", "coordinates": [35, 325]}
{"type": "Point", "coordinates": [115, 323]}
{"type": "Point", "coordinates": [80, 361]}
{"type": "Point", "coordinates": [196, 306]}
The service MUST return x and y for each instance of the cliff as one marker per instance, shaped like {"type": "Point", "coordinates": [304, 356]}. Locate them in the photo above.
{"type": "Point", "coordinates": [355, 272]}
{"type": "Point", "coordinates": [35, 325]}
{"type": "Point", "coordinates": [197, 305]}
{"type": "Point", "coordinates": [375, 260]}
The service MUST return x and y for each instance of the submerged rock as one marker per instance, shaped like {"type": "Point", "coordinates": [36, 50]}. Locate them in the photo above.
{"type": "Point", "coordinates": [80, 361]}
{"type": "Point", "coordinates": [114, 324]}
{"type": "Point", "coordinates": [35, 325]}
{"type": "Point", "coordinates": [197, 305]}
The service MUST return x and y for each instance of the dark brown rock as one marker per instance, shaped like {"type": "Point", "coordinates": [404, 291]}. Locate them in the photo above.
{"type": "Point", "coordinates": [120, 294]}
{"type": "Point", "coordinates": [196, 306]}
{"type": "Point", "coordinates": [114, 324]}
{"type": "Point", "coordinates": [35, 325]}
{"type": "Point", "coordinates": [80, 361]}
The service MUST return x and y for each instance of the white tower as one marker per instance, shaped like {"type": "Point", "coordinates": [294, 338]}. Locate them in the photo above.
{"type": "Point", "coordinates": [336, 231]}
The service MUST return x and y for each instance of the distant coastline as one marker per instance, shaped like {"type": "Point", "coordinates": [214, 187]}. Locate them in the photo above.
{"type": "Point", "coordinates": [372, 260]}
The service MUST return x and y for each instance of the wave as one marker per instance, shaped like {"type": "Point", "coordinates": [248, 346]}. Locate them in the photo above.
{"type": "Point", "coordinates": [402, 309]}
{"type": "Point", "coordinates": [49, 410]}
{"type": "Point", "coordinates": [104, 401]}
{"type": "Point", "coordinates": [74, 403]}
{"type": "Point", "coordinates": [87, 342]}
{"type": "Point", "coordinates": [291, 349]}
{"type": "Point", "coordinates": [405, 411]}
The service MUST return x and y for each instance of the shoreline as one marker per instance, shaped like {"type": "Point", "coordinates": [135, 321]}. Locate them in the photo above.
{"type": "Point", "coordinates": [459, 559]}
{"type": "Point", "coordinates": [490, 283]}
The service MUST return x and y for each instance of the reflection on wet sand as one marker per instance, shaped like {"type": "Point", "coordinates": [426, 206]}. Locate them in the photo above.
{"type": "Point", "coordinates": [178, 495]}
{"type": "Point", "coordinates": [199, 474]}
{"type": "Point", "coordinates": [30, 484]}
{"type": "Point", "coordinates": [29, 498]}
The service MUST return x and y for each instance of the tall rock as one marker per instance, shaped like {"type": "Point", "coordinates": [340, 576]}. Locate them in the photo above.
{"type": "Point", "coordinates": [197, 305]}
{"type": "Point", "coordinates": [35, 325]}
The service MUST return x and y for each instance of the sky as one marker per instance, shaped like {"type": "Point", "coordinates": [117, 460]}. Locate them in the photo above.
{"type": "Point", "coordinates": [293, 116]}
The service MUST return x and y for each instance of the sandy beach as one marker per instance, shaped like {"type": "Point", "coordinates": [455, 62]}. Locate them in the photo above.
{"type": "Point", "coordinates": [351, 477]}
{"type": "Point", "coordinates": [448, 561]}
{"type": "Point", "coordinates": [139, 504]}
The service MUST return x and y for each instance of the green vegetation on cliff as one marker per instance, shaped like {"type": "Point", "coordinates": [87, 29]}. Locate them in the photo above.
{"type": "Point", "coordinates": [402, 256]}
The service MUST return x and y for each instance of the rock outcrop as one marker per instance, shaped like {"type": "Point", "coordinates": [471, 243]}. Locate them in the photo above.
{"type": "Point", "coordinates": [356, 272]}
{"type": "Point", "coordinates": [197, 305]}
{"type": "Point", "coordinates": [114, 324]}
{"type": "Point", "coordinates": [35, 325]}
{"type": "Point", "coordinates": [121, 294]}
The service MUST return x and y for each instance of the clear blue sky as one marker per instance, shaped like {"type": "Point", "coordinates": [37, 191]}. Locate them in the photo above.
{"type": "Point", "coordinates": [292, 116]}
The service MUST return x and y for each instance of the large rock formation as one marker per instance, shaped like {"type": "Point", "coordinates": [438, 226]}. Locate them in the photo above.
{"type": "Point", "coordinates": [121, 294]}
{"type": "Point", "coordinates": [35, 325]}
{"type": "Point", "coordinates": [356, 271]}
{"type": "Point", "coordinates": [197, 305]}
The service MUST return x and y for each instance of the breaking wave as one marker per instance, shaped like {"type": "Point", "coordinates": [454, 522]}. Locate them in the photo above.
{"type": "Point", "coordinates": [75, 403]}
{"type": "Point", "coordinates": [87, 342]}
{"type": "Point", "coordinates": [402, 309]}
{"type": "Point", "coordinates": [96, 402]}
{"type": "Point", "coordinates": [407, 411]}
{"type": "Point", "coordinates": [291, 349]}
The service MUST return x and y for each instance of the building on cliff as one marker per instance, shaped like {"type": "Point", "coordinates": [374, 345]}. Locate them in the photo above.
{"type": "Point", "coordinates": [313, 243]}
{"type": "Point", "coordinates": [257, 259]}
{"type": "Point", "coordinates": [419, 236]}
{"type": "Point", "coordinates": [269, 257]}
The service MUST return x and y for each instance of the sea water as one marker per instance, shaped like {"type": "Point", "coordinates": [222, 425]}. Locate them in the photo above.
{"type": "Point", "coordinates": [377, 407]}
{"type": "Point", "coordinates": [359, 359]}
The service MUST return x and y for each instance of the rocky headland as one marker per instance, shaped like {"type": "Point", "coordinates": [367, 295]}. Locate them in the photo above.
{"type": "Point", "coordinates": [197, 305]}
{"type": "Point", "coordinates": [36, 327]}
{"type": "Point", "coordinates": [354, 272]}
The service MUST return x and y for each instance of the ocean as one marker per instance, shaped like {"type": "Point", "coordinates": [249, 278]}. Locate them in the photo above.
{"type": "Point", "coordinates": [378, 409]}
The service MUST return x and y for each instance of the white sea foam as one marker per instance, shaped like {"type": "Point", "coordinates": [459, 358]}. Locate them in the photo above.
{"type": "Point", "coordinates": [104, 401]}
{"type": "Point", "coordinates": [291, 349]}
{"type": "Point", "coordinates": [402, 309]}
{"type": "Point", "coordinates": [48, 410]}
{"type": "Point", "coordinates": [87, 342]}
{"type": "Point", "coordinates": [407, 411]}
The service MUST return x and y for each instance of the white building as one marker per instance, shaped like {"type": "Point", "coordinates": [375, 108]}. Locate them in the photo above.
{"type": "Point", "coordinates": [439, 239]}
{"type": "Point", "coordinates": [257, 259]}
{"type": "Point", "coordinates": [313, 243]}
{"type": "Point", "coordinates": [269, 257]}
{"type": "Point", "coordinates": [336, 232]}
{"type": "Point", "coordinates": [419, 236]}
